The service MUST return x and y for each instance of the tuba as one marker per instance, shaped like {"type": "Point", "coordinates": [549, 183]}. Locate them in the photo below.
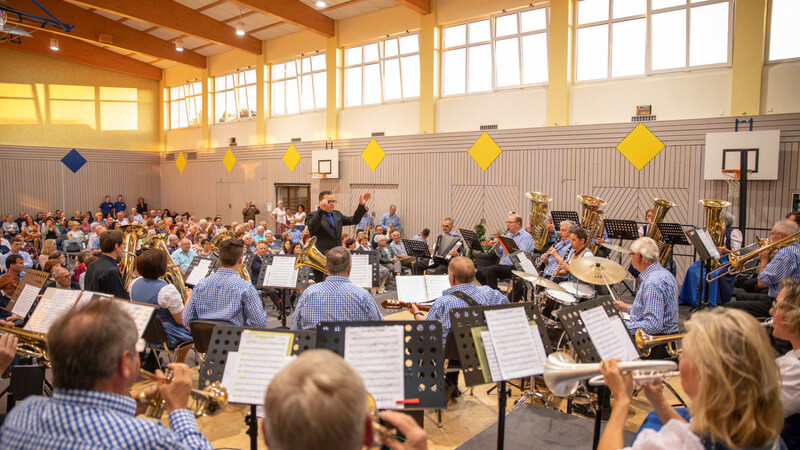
{"type": "Point", "coordinates": [660, 211]}
{"type": "Point", "coordinates": [714, 223]}
{"type": "Point", "coordinates": [593, 220]}
{"type": "Point", "coordinates": [127, 265]}
{"type": "Point", "coordinates": [244, 272]}
{"type": "Point", "coordinates": [540, 216]}
{"type": "Point", "coordinates": [310, 256]}
{"type": "Point", "coordinates": [173, 275]}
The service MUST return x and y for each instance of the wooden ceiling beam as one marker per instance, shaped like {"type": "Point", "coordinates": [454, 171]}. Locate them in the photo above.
{"type": "Point", "coordinates": [75, 50]}
{"type": "Point", "coordinates": [294, 12]}
{"type": "Point", "coordinates": [89, 26]}
{"type": "Point", "coordinates": [177, 17]}
{"type": "Point", "coordinates": [421, 6]}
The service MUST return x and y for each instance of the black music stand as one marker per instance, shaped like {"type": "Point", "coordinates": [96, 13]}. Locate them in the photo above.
{"type": "Point", "coordinates": [417, 248]}
{"type": "Point", "coordinates": [374, 262]}
{"type": "Point", "coordinates": [224, 339]}
{"type": "Point", "coordinates": [471, 239]}
{"type": "Point", "coordinates": [509, 245]}
{"type": "Point", "coordinates": [247, 260]}
{"type": "Point", "coordinates": [462, 320]}
{"type": "Point", "coordinates": [706, 268]}
{"type": "Point", "coordinates": [560, 216]}
{"type": "Point", "coordinates": [673, 234]}
{"type": "Point", "coordinates": [303, 275]}
{"type": "Point", "coordinates": [193, 265]}
{"type": "Point", "coordinates": [622, 230]}
{"type": "Point", "coordinates": [570, 318]}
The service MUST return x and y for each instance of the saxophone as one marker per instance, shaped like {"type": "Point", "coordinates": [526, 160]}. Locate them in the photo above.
{"type": "Point", "coordinates": [540, 217]}
{"type": "Point", "coordinates": [714, 223]}
{"type": "Point", "coordinates": [660, 211]}
{"type": "Point", "coordinates": [593, 220]}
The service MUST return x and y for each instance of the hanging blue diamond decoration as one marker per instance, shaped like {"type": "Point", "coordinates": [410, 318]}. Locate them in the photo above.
{"type": "Point", "coordinates": [73, 160]}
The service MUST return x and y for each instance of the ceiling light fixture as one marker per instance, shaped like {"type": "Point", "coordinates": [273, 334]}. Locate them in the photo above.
{"type": "Point", "coordinates": [240, 28]}
{"type": "Point", "coordinates": [179, 45]}
{"type": "Point", "coordinates": [321, 4]}
{"type": "Point", "coordinates": [54, 44]}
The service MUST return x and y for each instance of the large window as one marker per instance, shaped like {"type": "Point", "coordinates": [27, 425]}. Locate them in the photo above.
{"type": "Point", "coordinates": [299, 85]}
{"type": "Point", "coordinates": [186, 105]}
{"type": "Point", "coordinates": [382, 71]}
{"type": "Point", "coordinates": [612, 36]}
{"type": "Point", "coordinates": [235, 96]}
{"type": "Point", "coordinates": [504, 51]}
{"type": "Point", "coordinates": [784, 34]}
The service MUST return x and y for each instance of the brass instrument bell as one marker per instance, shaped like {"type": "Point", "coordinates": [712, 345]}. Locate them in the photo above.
{"type": "Point", "coordinates": [310, 256]}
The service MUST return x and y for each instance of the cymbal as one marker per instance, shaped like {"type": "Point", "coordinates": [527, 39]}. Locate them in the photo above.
{"type": "Point", "coordinates": [540, 281]}
{"type": "Point", "coordinates": [615, 248]}
{"type": "Point", "coordinates": [592, 269]}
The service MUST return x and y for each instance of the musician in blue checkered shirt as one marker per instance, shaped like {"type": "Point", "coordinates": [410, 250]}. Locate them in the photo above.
{"type": "Point", "coordinates": [224, 296]}
{"type": "Point", "coordinates": [655, 307]}
{"type": "Point", "coordinates": [336, 299]}
{"type": "Point", "coordinates": [95, 362]}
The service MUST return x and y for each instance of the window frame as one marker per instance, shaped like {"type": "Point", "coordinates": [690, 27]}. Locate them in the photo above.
{"type": "Point", "coordinates": [298, 61]}
{"type": "Point", "coordinates": [768, 39]}
{"type": "Point", "coordinates": [381, 62]}
{"type": "Point", "coordinates": [197, 99]}
{"type": "Point", "coordinates": [648, 54]}
{"type": "Point", "coordinates": [234, 89]}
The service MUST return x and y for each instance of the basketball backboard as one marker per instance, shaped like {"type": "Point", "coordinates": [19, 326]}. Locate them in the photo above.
{"type": "Point", "coordinates": [325, 162]}
{"type": "Point", "coordinates": [723, 151]}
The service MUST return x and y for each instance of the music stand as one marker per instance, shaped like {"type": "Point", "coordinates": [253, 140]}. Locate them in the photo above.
{"type": "Point", "coordinates": [31, 277]}
{"type": "Point", "coordinates": [570, 318]}
{"type": "Point", "coordinates": [673, 233]}
{"type": "Point", "coordinates": [302, 282]}
{"type": "Point", "coordinates": [509, 245]}
{"type": "Point", "coordinates": [425, 366]}
{"type": "Point", "coordinates": [706, 255]}
{"type": "Point", "coordinates": [471, 239]}
{"type": "Point", "coordinates": [417, 248]}
{"type": "Point", "coordinates": [247, 260]}
{"type": "Point", "coordinates": [462, 320]}
{"type": "Point", "coordinates": [560, 216]}
{"type": "Point", "coordinates": [225, 339]}
{"type": "Point", "coordinates": [622, 230]}
{"type": "Point", "coordinates": [374, 262]}
{"type": "Point", "coordinates": [195, 262]}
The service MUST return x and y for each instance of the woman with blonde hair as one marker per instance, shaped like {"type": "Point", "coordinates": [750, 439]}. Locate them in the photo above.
{"type": "Point", "coordinates": [727, 369]}
{"type": "Point", "coordinates": [48, 247]}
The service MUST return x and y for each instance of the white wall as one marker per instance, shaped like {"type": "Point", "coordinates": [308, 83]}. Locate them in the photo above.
{"type": "Point", "coordinates": [307, 126]}
{"type": "Point", "coordinates": [394, 119]}
{"type": "Point", "coordinates": [184, 139]}
{"type": "Point", "coordinates": [517, 108]}
{"type": "Point", "coordinates": [244, 131]}
{"type": "Point", "coordinates": [690, 95]}
{"type": "Point", "coordinates": [780, 91]}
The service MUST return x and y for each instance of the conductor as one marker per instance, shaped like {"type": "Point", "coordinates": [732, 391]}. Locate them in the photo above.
{"type": "Point", "coordinates": [326, 222]}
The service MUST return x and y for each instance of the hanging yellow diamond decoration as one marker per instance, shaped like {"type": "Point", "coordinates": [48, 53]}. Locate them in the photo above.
{"type": "Point", "coordinates": [373, 154]}
{"type": "Point", "coordinates": [640, 146]}
{"type": "Point", "coordinates": [229, 160]}
{"type": "Point", "coordinates": [484, 151]}
{"type": "Point", "coordinates": [180, 161]}
{"type": "Point", "coordinates": [291, 158]}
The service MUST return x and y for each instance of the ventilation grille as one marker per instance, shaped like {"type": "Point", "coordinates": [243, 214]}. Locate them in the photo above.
{"type": "Point", "coordinates": [488, 127]}
{"type": "Point", "coordinates": [378, 134]}
{"type": "Point", "coordinates": [296, 139]}
{"type": "Point", "coordinates": [644, 118]}
{"type": "Point", "coordinates": [191, 155]}
{"type": "Point", "coordinates": [170, 157]}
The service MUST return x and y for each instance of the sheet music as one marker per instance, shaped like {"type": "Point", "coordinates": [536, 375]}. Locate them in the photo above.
{"type": "Point", "coordinates": [608, 337]}
{"type": "Point", "coordinates": [199, 272]}
{"type": "Point", "coordinates": [87, 296]}
{"type": "Point", "coordinates": [140, 314]}
{"type": "Point", "coordinates": [708, 243]}
{"type": "Point", "coordinates": [266, 275]}
{"type": "Point", "coordinates": [516, 349]}
{"type": "Point", "coordinates": [491, 357]}
{"type": "Point", "coordinates": [435, 284]}
{"type": "Point", "coordinates": [411, 289]}
{"type": "Point", "coordinates": [25, 300]}
{"type": "Point", "coordinates": [377, 355]}
{"type": "Point", "coordinates": [54, 304]}
{"type": "Point", "coordinates": [283, 273]}
{"type": "Point", "coordinates": [248, 371]}
{"type": "Point", "coordinates": [526, 264]}
{"type": "Point", "coordinates": [361, 271]}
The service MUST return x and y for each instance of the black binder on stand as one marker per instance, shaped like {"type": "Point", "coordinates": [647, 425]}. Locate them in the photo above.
{"type": "Point", "coordinates": [471, 239]}
{"type": "Point", "coordinates": [303, 275]}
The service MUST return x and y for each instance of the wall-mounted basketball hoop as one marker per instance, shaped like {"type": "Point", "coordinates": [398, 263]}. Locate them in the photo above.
{"type": "Point", "coordinates": [734, 178]}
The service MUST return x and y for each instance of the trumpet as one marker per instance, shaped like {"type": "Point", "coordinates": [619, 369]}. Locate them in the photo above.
{"type": "Point", "coordinates": [646, 342]}
{"type": "Point", "coordinates": [563, 375]}
{"type": "Point", "coordinates": [736, 264]}
{"type": "Point", "coordinates": [206, 402]}
{"type": "Point", "coordinates": [29, 343]}
{"type": "Point", "coordinates": [768, 323]}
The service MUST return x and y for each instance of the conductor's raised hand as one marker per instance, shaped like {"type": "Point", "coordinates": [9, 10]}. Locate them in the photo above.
{"type": "Point", "coordinates": [364, 198]}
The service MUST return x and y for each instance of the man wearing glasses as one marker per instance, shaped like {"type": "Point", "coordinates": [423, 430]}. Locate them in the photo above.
{"type": "Point", "coordinates": [488, 276]}
{"type": "Point", "coordinates": [326, 222]}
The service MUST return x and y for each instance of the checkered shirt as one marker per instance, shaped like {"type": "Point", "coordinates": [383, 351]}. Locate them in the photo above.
{"type": "Point", "coordinates": [440, 310]}
{"type": "Point", "coordinates": [225, 297]}
{"type": "Point", "coordinates": [655, 308]}
{"type": "Point", "coordinates": [83, 419]}
{"type": "Point", "coordinates": [334, 300]}
{"type": "Point", "coordinates": [785, 264]}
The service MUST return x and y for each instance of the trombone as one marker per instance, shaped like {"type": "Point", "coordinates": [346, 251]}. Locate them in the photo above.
{"type": "Point", "coordinates": [646, 342]}
{"type": "Point", "coordinates": [206, 402]}
{"type": "Point", "coordinates": [736, 263]}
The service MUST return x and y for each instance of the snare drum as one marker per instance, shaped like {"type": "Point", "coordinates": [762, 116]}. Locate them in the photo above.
{"type": "Point", "coordinates": [579, 291]}
{"type": "Point", "coordinates": [553, 300]}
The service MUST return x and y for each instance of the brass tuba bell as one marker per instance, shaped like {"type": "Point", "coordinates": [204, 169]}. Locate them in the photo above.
{"type": "Point", "coordinates": [660, 210]}
{"type": "Point", "coordinates": [593, 220]}
{"type": "Point", "coordinates": [540, 216]}
{"type": "Point", "coordinates": [714, 223]}
{"type": "Point", "coordinates": [310, 256]}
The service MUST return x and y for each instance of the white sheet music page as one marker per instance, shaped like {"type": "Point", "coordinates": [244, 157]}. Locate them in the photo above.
{"type": "Point", "coordinates": [25, 300]}
{"type": "Point", "coordinates": [605, 340]}
{"type": "Point", "coordinates": [54, 303]}
{"type": "Point", "coordinates": [361, 271]}
{"type": "Point", "coordinates": [283, 273]}
{"type": "Point", "coordinates": [377, 355]}
{"type": "Point", "coordinates": [411, 289]}
{"type": "Point", "coordinates": [491, 358]}
{"type": "Point", "coordinates": [87, 296]}
{"type": "Point", "coordinates": [623, 336]}
{"type": "Point", "coordinates": [140, 313]}
{"type": "Point", "coordinates": [267, 271]}
{"type": "Point", "coordinates": [513, 343]}
{"type": "Point", "coordinates": [248, 372]}
{"type": "Point", "coordinates": [708, 243]}
{"type": "Point", "coordinates": [199, 272]}
{"type": "Point", "coordinates": [435, 285]}
{"type": "Point", "coordinates": [526, 264]}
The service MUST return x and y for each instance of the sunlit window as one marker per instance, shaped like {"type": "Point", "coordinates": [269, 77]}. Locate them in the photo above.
{"type": "Point", "coordinates": [382, 71]}
{"type": "Point", "coordinates": [504, 51]}
{"type": "Point", "coordinates": [235, 96]}
{"type": "Point", "coordinates": [186, 105]}
{"type": "Point", "coordinates": [299, 85]}
{"type": "Point", "coordinates": [611, 36]}
{"type": "Point", "coordinates": [784, 33]}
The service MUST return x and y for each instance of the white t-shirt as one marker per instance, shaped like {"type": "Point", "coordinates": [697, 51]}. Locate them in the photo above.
{"type": "Point", "coordinates": [280, 215]}
{"type": "Point", "coordinates": [300, 217]}
{"type": "Point", "coordinates": [789, 366]}
{"type": "Point", "coordinates": [675, 434]}
{"type": "Point", "coordinates": [168, 297]}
